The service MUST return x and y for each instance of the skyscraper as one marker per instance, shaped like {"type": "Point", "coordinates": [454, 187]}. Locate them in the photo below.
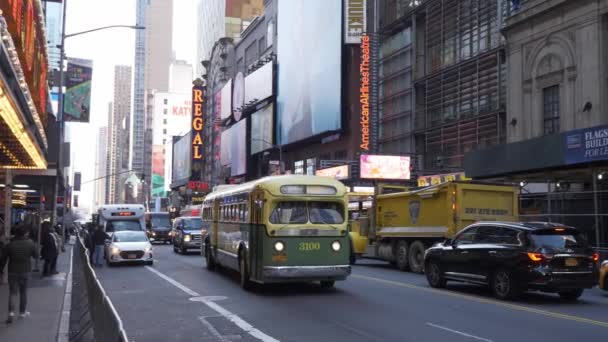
{"type": "Point", "coordinates": [222, 18]}
{"type": "Point", "coordinates": [119, 123]}
{"type": "Point", "coordinates": [101, 161]}
{"type": "Point", "coordinates": [153, 55]}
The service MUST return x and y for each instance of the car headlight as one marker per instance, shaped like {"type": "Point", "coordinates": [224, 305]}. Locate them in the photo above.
{"type": "Point", "coordinates": [187, 238]}
{"type": "Point", "coordinates": [336, 245]}
{"type": "Point", "coordinates": [148, 249]}
{"type": "Point", "coordinates": [279, 246]}
{"type": "Point", "coordinates": [153, 233]}
{"type": "Point", "coordinates": [115, 250]}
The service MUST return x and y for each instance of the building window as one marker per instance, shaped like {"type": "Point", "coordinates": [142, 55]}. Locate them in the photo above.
{"type": "Point", "coordinates": [165, 121]}
{"type": "Point", "coordinates": [165, 111]}
{"type": "Point", "coordinates": [551, 109]}
{"type": "Point", "coordinates": [165, 101]}
{"type": "Point", "coordinates": [270, 34]}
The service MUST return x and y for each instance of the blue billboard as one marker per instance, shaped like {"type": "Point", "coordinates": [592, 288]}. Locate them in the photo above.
{"type": "Point", "coordinates": [586, 145]}
{"type": "Point", "coordinates": [309, 68]}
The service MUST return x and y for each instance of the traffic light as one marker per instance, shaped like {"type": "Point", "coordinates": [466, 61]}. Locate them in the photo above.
{"type": "Point", "coordinates": [77, 181]}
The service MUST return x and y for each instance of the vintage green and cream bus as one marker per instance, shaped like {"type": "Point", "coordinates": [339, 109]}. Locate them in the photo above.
{"type": "Point", "coordinates": [279, 229]}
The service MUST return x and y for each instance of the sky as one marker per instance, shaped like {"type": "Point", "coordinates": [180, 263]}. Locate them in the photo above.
{"type": "Point", "coordinates": [108, 48]}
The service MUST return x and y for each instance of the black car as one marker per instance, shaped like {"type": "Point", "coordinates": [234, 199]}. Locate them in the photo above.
{"type": "Point", "coordinates": [515, 257]}
{"type": "Point", "coordinates": [158, 226]}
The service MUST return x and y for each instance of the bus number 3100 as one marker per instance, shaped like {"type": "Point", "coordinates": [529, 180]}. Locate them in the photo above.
{"type": "Point", "coordinates": [309, 246]}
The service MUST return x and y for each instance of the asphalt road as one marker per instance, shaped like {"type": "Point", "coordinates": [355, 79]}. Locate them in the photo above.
{"type": "Point", "coordinates": [177, 299]}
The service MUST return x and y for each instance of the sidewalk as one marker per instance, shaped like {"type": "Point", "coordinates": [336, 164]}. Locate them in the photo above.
{"type": "Point", "coordinates": [45, 302]}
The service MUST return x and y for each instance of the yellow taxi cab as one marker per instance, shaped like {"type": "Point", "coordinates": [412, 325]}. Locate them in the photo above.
{"type": "Point", "coordinates": [603, 284]}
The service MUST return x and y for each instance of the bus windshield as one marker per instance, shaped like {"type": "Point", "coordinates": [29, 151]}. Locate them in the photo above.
{"type": "Point", "coordinates": [305, 212]}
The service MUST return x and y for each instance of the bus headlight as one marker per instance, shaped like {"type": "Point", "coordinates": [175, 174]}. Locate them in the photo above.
{"type": "Point", "coordinates": [336, 245]}
{"type": "Point", "coordinates": [187, 238]}
{"type": "Point", "coordinates": [279, 246]}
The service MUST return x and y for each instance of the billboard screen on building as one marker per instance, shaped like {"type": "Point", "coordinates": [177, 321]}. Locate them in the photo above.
{"type": "Point", "coordinates": [309, 80]}
{"type": "Point", "coordinates": [77, 99]}
{"type": "Point", "coordinates": [238, 148]}
{"type": "Point", "coordinates": [385, 167]}
{"type": "Point", "coordinates": [172, 115]}
{"type": "Point", "coordinates": [261, 129]}
{"type": "Point", "coordinates": [258, 84]}
{"type": "Point", "coordinates": [226, 100]}
{"type": "Point", "coordinates": [225, 149]}
{"type": "Point", "coordinates": [181, 159]}
{"type": "Point", "coordinates": [337, 172]}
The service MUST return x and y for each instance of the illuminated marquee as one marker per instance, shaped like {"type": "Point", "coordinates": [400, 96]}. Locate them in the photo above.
{"type": "Point", "coordinates": [197, 123]}
{"type": "Point", "coordinates": [364, 72]}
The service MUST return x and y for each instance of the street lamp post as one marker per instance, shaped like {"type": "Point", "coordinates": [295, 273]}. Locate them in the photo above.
{"type": "Point", "coordinates": [60, 112]}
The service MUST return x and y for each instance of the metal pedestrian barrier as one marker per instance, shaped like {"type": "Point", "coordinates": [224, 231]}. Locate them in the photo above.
{"type": "Point", "coordinates": [93, 316]}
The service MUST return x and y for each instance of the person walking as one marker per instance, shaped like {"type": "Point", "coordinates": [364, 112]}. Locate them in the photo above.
{"type": "Point", "coordinates": [99, 241]}
{"type": "Point", "coordinates": [50, 250]}
{"type": "Point", "coordinates": [18, 254]}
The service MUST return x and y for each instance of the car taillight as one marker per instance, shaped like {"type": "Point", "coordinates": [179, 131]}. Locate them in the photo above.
{"type": "Point", "coordinates": [595, 257]}
{"type": "Point", "coordinates": [536, 257]}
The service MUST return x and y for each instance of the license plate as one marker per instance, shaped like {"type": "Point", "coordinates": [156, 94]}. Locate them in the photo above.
{"type": "Point", "coordinates": [132, 256]}
{"type": "Point", "coordinates": [571, 262]}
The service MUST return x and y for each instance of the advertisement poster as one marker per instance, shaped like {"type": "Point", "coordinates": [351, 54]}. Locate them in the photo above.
{"type": "Point", "coordinates": [385, 167]}
{"type": "Point", "coordinates": [158, 170]}
{"type": "Point", "coordinates": [308, 102]}
{"type": "Point", "coordinates": [181, 158]}
{"type": "Point", "coordinates": [261, 129]}
{"type": "Point", "coordinates": [586, 145]}
{"type": "Point", "coordinates": [337, 172]}
{"type": "Point", "coordinates": [77, 99]}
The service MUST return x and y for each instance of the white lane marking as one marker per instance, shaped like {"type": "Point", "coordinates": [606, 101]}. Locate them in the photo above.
{"type": "Point", "coordinates": [216, 334]}
{"type": "Point", "coordinates": [251, 330]}
{"type": "Point", "coordinates": [458, 332]}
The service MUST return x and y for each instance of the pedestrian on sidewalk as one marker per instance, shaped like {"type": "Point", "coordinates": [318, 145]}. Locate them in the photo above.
{"type": "Point", "coordinates": [99, 240]}
{"type": "Point", "coordinates": [18, 254]}
{"type": "Point", "coordinates": [50, 250]}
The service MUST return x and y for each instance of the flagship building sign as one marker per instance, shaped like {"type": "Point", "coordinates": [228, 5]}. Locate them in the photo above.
{"type": "Point", "coordinates": [354, 21]}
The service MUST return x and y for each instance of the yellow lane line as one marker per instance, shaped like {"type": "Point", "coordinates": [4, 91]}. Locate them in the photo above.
{"type": "Point", "coordinates": [486, 301]}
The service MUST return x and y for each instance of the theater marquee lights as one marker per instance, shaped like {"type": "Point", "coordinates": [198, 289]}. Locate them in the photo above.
{"type": "Point", "coordinates": [364, 99]}
{"type": "Point", "coordinates": [197, 123]}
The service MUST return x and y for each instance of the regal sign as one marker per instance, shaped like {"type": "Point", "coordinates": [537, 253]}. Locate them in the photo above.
{"type": "Point", "coordinates": [197, 122]}
{"type": "Point", "coordinates": [198, 95]}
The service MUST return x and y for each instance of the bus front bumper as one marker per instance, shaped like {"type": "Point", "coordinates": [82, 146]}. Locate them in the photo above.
{"type": "Point", "coordinates": [334, 272]}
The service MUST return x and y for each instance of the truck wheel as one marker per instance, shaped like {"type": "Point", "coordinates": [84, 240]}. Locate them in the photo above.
{"type": "Point", "coordinates": [416, 256]}
{"type": "Point", "coordinates": [401, 255]}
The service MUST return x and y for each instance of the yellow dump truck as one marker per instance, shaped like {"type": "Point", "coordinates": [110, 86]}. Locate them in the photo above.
{"type": "Point", "coordinates": [402, 225]}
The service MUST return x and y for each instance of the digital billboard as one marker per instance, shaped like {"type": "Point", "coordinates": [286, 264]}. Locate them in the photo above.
{"type": "Point", "coordinates": [337, 172]}
{"type": "Point", "coordinates": [181, 158]}
{"type": "Point", "coordinates": [385, 167]}
{"type": "Point", "coordinates": [158, 170]}
{"type": "Point", "coordinates": [238, 148]}
{"type": "Point", "coordinates": [261, 129]}
{"type": "Point", "coordinates": [309, 80]}
{"type": "Point", "coordinates": [225, 149]}
{"type": "Point", "coordinates": [258, 84]}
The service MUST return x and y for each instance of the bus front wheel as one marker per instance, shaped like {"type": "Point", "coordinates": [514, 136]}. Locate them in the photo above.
{"type": "Point", "coordinates": [245, 281]}
{"type": "Point", "coordinates": [209, 258]}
